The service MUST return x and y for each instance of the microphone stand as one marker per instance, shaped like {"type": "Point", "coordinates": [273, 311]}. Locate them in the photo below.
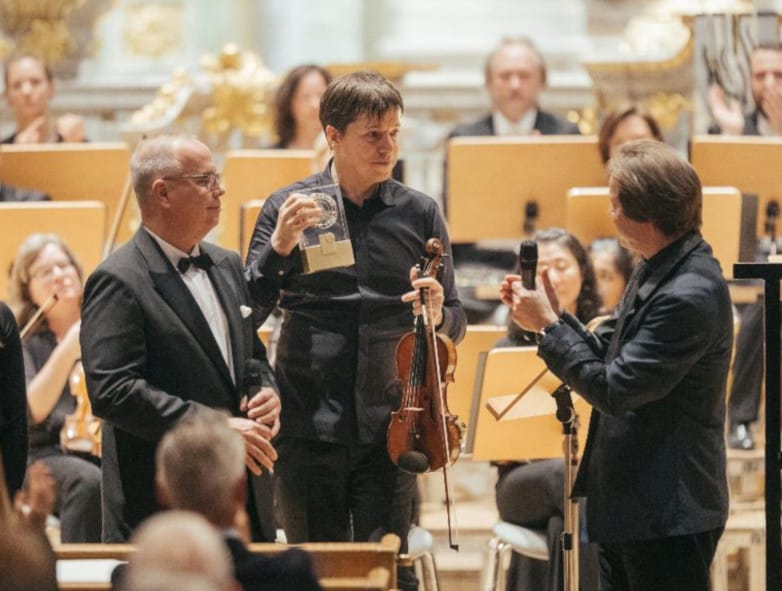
{"type": "Point", "coordinates": [566, 414]}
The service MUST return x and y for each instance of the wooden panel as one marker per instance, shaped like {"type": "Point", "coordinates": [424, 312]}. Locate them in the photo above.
{"type": "Point", "coordinates": [248, 215]}
{"type": "Point", "coordinates": [749, 163]}
{"type": "Point", "coordinates": [255, 174]}
{"type": "Point", "coordinates": [81, 224]}
{"type": "Point", "coordinates": [588, 218]}
{"type": "Point", "coordinates": [490, 181]}
{"type": "Point", "coordinates": [478, 338]}
{"type": "Point", "coordinates": [508, 372]}
{"type": "Point", "coordinates": [74, 172]}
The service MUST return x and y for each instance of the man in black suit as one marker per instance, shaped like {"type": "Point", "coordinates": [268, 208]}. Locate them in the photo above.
{"type": "Point", "coordinates": [166, 332]}
{"type": "Point", "coordinates": [200, 468]}
{"type": "Point", "coordinates": [515, 75]}
{"type": "Point", "coordinates": [765, 120]}
{"type": "Point", "coordinates": [653, 470]}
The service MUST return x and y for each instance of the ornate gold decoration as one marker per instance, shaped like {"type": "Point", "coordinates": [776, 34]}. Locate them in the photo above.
{"type": "Point", "coordinates": [666, 108]}
{"type": "Point", "coordinates": [242, 90]}
{"type": "Point", "coordinates": [58, 30]}
{"type": "Point", "coordinates": [233, 93]}
{"type": "Point", "coordinates": [153, 30]}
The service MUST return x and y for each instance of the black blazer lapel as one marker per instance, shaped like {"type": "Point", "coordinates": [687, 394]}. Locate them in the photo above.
{"type": "Point", "coordinates": [173, 290]}
{"type": "Point", "coordinates": [222, 278]}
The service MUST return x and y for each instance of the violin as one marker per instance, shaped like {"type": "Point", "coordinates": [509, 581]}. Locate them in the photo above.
{"type": "Point", "coordinates": [81, 431]}
{"type": "Point", "coordinates": [423, 435]}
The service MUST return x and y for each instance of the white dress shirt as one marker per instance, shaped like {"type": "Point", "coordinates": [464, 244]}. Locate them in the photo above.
{"type": "Point", "coordinates": [524, 126]}
{"type": "Point", "coordinates": [203, 292]}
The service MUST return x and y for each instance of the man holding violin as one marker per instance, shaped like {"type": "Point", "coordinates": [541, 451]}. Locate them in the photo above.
{"type": "Point", "coordinates": [336, 365]}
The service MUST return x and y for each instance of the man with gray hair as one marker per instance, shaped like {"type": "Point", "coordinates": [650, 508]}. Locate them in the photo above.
{"type": "Point", "coordinates": [200, 468]}
{"type": "Point", "coordinates": [167, 333]}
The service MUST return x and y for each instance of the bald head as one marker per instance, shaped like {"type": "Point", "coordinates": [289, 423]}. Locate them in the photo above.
{"type": "Point", "coordinates": [154, 158]}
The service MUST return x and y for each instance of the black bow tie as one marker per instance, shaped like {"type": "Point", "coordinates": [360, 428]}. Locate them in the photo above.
{"type": "Point", "coordinates": [202, 261]}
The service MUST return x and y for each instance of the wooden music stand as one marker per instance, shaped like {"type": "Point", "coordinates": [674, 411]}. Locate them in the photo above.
{"type": "Point", "coordinates": [749, 163]}
{"type": "Point", "coordinates": [256, 174]}
{"type": "Point", "coordinates": [491, 180]}
{"type": "Point", "coordinates": [528, 430]}
{"type": "Point", "coordinates": [74, 172]}
{"type": "Point", "coordinates": [81, 224]}
{"type": "Point", "coordinates": [588, 219]}
{"type": "Point", "coordinates": [478, 338]}
{"type": "Point", "coordinates": [248, 216]}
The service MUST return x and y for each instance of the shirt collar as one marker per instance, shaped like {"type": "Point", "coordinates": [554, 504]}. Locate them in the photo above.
{"type": "Point", "coordinates": [524, 126]}
{"type": "Point", "coordinates": [173, 254]}
{"type": "Point", "coordinates": [661, 263]}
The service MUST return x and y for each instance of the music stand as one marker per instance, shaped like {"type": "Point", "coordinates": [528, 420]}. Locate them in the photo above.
{"type": "Point", "coordinates": [508, 415]}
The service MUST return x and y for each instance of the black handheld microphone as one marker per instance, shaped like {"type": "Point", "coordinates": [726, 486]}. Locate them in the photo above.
{"type": "Point", "coordinates": [253, 378]}
{"type": "Point", "coordinates": [528, 263]}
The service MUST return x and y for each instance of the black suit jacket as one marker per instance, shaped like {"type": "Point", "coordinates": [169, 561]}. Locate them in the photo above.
{"type": "Point", "coordinates": [151, 360]}
{"type": "Point", "coordinates": [289, 570]}
{"type": "Point", "coordinates": [654, 463]}
{"type": "Point", "coordinates": [545, 123]}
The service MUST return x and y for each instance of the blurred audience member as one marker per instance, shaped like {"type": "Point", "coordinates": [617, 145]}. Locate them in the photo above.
{"type": "Point", "coordinates": [178, 548]}
{"type": "Point", "coordinates": [200, 468]}
{"type": "Point", "coordinates": [46, 267]}
{"type": "Point", "coordinates": [613, 265]}
{"type": "Point", "coordinates": [29, 86]}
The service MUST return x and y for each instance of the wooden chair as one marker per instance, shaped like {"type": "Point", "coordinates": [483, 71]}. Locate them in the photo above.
{"type": "Point", "coordinates": [75, 172]}
{"type": "Point", "coordinates": [81, 224]}
{"type": "Point", "coordinates": [248, 216]}
{"type": "Point", "coordinates": [256, 174]}
{"type": "Point", "coordinates": [587, 218]}
{"type": "Point", "coordinates": [491, 180]}
{"type": "Point", "coordinates": [339, 566]}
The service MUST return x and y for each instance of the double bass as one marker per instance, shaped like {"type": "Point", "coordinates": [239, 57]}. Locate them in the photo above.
{"type": "Point", "coordinates": [423, 435]}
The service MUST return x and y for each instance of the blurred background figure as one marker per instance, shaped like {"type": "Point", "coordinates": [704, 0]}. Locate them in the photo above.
{"type": "Point", "coordinates": [613, 265]}
{"type": "Point", "coordinates": [532, 494]}
{"type": "Point", "coordinates": [178, 550]}
{"type": "Point", "coordinates": [13, 403]}
{"type": "Point", "coordinates": [44, 267]}
{"type": "Point", "coordinates": [297, 104]}
{"type": "Point", "coordinates": [624, 125]}
{"type": "Point", "coordinates": [29, 86]}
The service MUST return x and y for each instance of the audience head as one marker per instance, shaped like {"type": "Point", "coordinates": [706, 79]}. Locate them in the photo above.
{"type": "Point", "coordinates": [765, 74]}
{"type": "Point", "coordinates": [29, 87]}
{"type": "Point", "coordinates": [624, 125]}
{"type": "Point", "coordinates": [200, 468]}
{"type": "Point", "coordinates": [297, 102]}
{"type": "Point", "coordinates": [515, 75]}
{"type": "Point", "coordinates": [177, 187]}
{"type": "Point", "coordinates": [360, 113]}
{"type": "Point", "coordinates": [613, 266]}
{"type": "Point", "coordinates": [650, 183]}
{"type": "Point", "coordinates": [181, 547]}
{"type": "Point", "coordinates": [44, 265]}
{"type": "Point", "coordinates": [27, 562]}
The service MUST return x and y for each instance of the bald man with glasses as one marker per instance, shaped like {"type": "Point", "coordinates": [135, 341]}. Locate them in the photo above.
{"type": "Point", "coordinates": [167, 332]}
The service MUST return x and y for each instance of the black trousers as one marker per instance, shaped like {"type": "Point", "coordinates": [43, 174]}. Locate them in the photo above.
{"type": "Point", "coordinates": [680, 563]}
{"type": "Point", "coordinates": [745, 391]}
{"type": "Point", "coordinates": [332, 493]}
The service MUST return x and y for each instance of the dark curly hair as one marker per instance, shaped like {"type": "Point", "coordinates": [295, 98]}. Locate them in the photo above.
{"type": "Point", "coordinates": [588, 302]}
{"type": "Point", "coordinates": [284, 123]}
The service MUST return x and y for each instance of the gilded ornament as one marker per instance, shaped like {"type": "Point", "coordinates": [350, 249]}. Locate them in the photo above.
{"type": "Point", "coordinates": [153, 30]}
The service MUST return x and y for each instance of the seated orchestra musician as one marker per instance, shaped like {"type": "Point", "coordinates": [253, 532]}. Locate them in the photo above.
{"type": "Point", "coordinates": [47, 277]}
{"type": "Point", "coordinates": [29, 86]}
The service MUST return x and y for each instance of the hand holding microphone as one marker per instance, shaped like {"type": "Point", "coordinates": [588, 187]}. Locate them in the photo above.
{"type": "Point", "coordinates": [531, 308]}
{"type": "Point", "coordinates": [260, 402]}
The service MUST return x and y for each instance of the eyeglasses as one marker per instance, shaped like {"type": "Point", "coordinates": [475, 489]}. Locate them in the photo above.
{"type": "Point", "coordinates": [208, 180]}
{"type": "Point", "coordinates": [46, 273]}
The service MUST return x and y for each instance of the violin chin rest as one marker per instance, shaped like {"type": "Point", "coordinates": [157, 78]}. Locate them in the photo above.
{"type": "Point", "coordinates": [413, 461]}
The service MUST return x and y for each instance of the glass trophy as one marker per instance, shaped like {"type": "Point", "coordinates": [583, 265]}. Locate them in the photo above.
{"type": "Point", "coordinates": [326, 245]}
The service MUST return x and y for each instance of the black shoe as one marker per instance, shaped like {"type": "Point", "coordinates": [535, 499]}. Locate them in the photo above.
{"type": "Point", "coordinates": [740, 437]}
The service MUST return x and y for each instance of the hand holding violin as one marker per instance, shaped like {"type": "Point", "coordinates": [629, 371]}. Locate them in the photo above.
{"type": "Point", "coordinates": [434, 296]}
